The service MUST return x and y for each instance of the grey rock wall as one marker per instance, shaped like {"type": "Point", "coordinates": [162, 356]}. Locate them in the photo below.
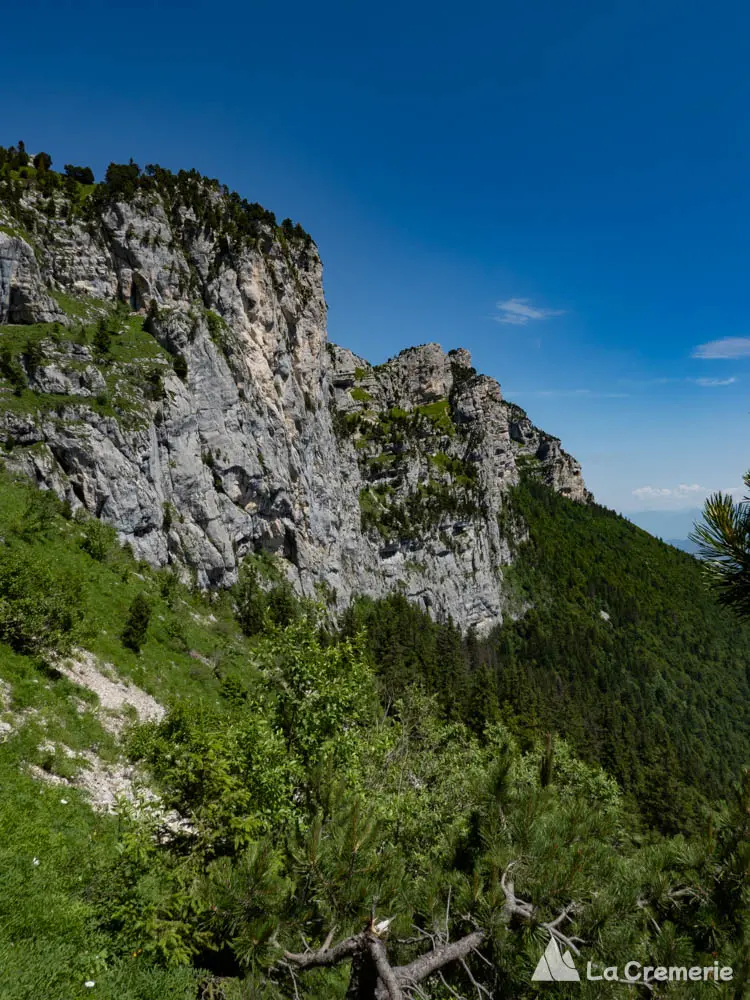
{"type": "Point", "coordinates": [362, 479]}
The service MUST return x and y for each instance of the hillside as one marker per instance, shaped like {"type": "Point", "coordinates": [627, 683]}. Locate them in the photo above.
{"type": "Point", "coordinates": [276, 804]}
{"type": "Point", "coordinates": [615, 644]}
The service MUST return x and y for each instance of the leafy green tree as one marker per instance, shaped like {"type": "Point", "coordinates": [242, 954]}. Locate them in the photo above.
{"type": "Point", "coordinates": [97, 538]}
{"type": "Point", "coordinates": [136, 623]}
{"type": "Point", "coordinates": [33, 356]}
{"type": "Point", "coordinates": [42, 162]}
{"type": "Point", "coordinates": [40, 605]}
{"type": "Point", "coordinates": [12, 371]}
{"type": "Point", "coordinates": [249, 601]}
{"type": "Point", "coordinates": [83, 175]}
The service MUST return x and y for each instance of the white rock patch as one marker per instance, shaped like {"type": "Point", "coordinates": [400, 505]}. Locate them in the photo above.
{"type": "Point", "coordinates": [114, 694]}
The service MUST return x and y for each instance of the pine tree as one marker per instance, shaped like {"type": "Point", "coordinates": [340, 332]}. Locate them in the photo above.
{"type": "Point", "coordinates": [724, 540]}
{"type": "Point", "coordinates": [102, 337]}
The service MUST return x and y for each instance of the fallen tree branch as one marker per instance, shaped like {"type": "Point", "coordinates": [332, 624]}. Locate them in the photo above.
{"type": "Point", "coordinates": [386, 982]}
{"type": "Point", "coordinates": [326, 957]}
{"type": "Point", "coordinates": [425, 965]}
{"type": "Point", "coordinates": [383, 967]}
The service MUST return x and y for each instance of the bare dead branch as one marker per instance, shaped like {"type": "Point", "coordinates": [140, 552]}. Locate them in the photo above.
{"type": "Point", "coordinates": [565, 915]}
{"type": "Point", "coordinates": [329, 938]}
{"type": "Point", "coordinates": [482, 991]}
{"type": "Point", "coordinates": [326, 957]}
{"type": "Point", "coordinates": [425, 965]}
{"type": "Point", "coordinates": [389, 982]}
{"type": "Point", "coordinates": [446, 984]}
{"type": "Point", "coordinates": [383, 967]}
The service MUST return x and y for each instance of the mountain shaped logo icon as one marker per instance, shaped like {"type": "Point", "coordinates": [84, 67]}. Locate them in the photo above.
{"type": "Point", "coordinates": [553, 967]}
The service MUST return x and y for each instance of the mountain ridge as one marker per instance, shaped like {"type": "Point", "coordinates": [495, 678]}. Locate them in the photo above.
{"type": "Point", "coordinates": [167, 367]}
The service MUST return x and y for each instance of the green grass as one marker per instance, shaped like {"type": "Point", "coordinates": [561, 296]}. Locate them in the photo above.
{"type": "Point", "coordinates": [53, 933]}
{"type": "Point", "coordinates": [16, 231]}
{"type": "Point", "coordinates": [360, 395]}
{"type": "Point", "coordinates": [51, 942]}
{"type": "Point", "coordinates": [439, 415]}
{"type": "Point", "coordinates": [81, 307]}
{"type": "Point", "coordinates": [187, 628]}
{"type": "Point", "coordinates": [133, 365]}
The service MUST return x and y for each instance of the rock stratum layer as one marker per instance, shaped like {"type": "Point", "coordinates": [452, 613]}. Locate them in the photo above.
{"type": "Point", "coordinates": [165, 365]}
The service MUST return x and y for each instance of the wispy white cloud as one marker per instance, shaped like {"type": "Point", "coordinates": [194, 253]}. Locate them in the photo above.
{"type": "Point", "coordinates": [727, 347]}
{"type": "Point", "coordinates": [672, 380]}
{"type": "Point", "coordinates": [713, 381]}
{"type": "Point", "coordinates": [519, 312]}
{"type": "Point", "coordinates": [677, 497]}
{"type": "Point", "coordinates": [588, 393]}
{"type": "Point", "coordinates": [683, 490]}
{"type": "Point", "coordinates": [643, 383]}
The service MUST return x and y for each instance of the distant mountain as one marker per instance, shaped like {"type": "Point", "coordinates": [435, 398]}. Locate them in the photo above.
{"type": "Point", "coordinates": [667, 524]}
{"type": "Point", "coordinates": [685, 544]}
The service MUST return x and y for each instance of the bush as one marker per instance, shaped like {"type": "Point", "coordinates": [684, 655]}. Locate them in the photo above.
{"type": "Point", "coordinates": [136, 624]}
{"type": "Point", "coordinates": [12, 371]}
{"type": "Point", "coordinates": [180, 366]}
{"type": "Point", "coordinates": [283, 605]}
{"type": "Point", "coordinates": [98, 539]}
{"type": "Point", "coordinates": [121, 180]}
{"type": "Point", "coordinates": [33, 356]}
{"type": "Point", "coordinates": [39, 515]}
{"type": "Point", "coordinates": [39, 608]}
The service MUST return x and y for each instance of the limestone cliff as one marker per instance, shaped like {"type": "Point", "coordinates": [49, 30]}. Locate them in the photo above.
{"type": "Point", "coordinates": [164, 363]}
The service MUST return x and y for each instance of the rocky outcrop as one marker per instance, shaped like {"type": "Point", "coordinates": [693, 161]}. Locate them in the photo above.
{"type": "Point", "coordinates": [23, 296]}
{"type": "Point", "coordinates": [223, 422]}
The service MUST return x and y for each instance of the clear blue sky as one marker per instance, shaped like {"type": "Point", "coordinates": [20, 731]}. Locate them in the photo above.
{"type": "Point", "coordinates": [587, 164]}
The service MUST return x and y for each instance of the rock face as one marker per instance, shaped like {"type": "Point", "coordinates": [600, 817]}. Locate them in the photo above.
{"type": "Point", "coordinates": [222, 422]}
{"type": "Point", "coordinates": [23, 296]}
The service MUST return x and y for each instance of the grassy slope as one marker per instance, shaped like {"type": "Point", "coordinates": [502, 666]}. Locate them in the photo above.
{"type": "Point", "coordinates": [48, 942]}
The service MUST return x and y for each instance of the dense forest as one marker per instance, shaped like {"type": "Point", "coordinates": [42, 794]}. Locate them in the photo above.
{"type": "Point", "coordinates": [613, 640]}
{"type": "Point", "coordinates": [327, 810]}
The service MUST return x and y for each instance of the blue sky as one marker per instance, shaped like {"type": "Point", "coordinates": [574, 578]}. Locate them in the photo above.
{"type": "Point", "coordinates": [562, 188]}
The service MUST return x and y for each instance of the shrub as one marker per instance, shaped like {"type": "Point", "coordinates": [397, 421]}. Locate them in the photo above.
{"type": "Point", "coordinates": [12, 371]}
{"type": "Point", "coordinates": [39, 608]}
{"type": "Point", "coordinates": [167, 516]}
{"type": "Point", "coordinates": [283, 605]}
{"type": "Point", "coordinates": [33, 356]}
{"type": "Point", "coordinates": [360, 395]}
{"type": "Point", "coordinates": [121, 180]}
{"type": "Point", "coordinates": [98, 539]}
{"type": "Point", "coordinates": [152, 317]}
{"type": "Point", "coordinates": [136, 624]}
{"type": "Point", "coordinates": [39, 515]}
{"type": "Point", "coordinates": [180, 366]}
